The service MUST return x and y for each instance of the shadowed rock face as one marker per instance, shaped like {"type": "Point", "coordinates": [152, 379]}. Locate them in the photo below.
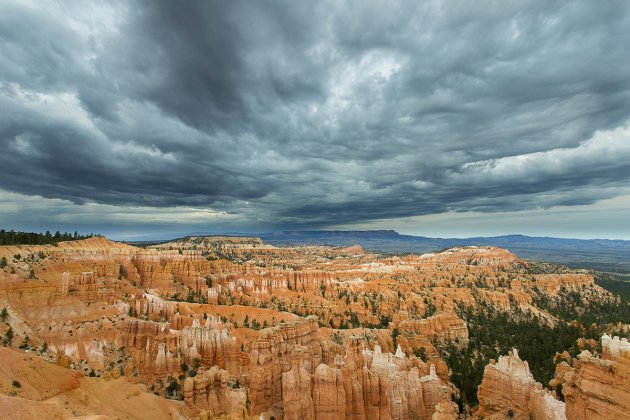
{"type": "Point", "coordinates": [236, 327]}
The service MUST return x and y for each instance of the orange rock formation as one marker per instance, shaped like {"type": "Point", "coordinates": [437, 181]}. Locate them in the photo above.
{"type": "Point", "coordinates": [509, 387]}
{"type": "Point", "coordinates": [597, 388]}
{"type": "Point", "coordinates": [236, 327]}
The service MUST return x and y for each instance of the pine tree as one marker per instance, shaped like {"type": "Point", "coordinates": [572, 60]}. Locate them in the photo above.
{"type": "Point", "coordinates": [4, 314]}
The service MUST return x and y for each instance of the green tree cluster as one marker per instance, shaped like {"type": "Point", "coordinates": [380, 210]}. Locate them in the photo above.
{"type": "Point", "coordinates": [493, 333]}
{"type": "Point", "coordinates": [13, 237]}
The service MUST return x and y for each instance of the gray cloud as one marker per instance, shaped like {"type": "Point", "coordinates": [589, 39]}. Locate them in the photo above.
{"type": "Point", "coordinates": [301, 114]}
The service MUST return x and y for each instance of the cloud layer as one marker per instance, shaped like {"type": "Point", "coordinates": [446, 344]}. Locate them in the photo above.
{"type": "Point", "coordinates": [315, 114]}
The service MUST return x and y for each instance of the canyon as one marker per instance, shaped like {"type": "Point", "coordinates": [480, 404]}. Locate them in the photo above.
{"type": "Point", "coordinates": [235, 328]}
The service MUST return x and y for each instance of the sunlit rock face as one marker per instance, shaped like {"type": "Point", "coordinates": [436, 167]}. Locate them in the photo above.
{"type": "Point", "coordinates": [446, 409]}
{"type": "Point", "coordinates": [271, 358]}
{"type": "Point", "coordinates": [158, 350]}
{"type": "Point", "coordinates": [239, 328]}
{"type": "Point", "coordinates": [597, 387]}
{"type": "Point", "coordinates": [208, 395]}
{"type": "Point", "coordinates": [508, 388]}
{"type": "Point", "coordinates": [287, 367]}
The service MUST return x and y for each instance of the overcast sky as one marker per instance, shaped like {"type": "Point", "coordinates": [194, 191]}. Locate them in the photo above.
{"type": "Point", "coordinates": [438, 118]}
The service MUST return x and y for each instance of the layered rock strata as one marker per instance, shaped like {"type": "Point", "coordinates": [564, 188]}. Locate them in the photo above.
{"type": "Point", "coordinates": [508, 387]}
{"type": "Point", "coordinates": [597, 388]}
{"type": "Point", "coordinates": [208, 394]}
{"type": "Point", "coordinates": [158, 350]}
{"type": "Point", "coordinates": [446, 408]}
{"type": "Point", "coordinates": [289, 367]}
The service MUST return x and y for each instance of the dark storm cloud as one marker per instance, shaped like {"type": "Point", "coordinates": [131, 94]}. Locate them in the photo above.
{"type": "Point", "coordinates": [296, 113]}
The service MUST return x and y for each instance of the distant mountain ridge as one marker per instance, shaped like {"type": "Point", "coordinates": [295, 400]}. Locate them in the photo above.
{"type": "Point", "coordinates": [601, 254]}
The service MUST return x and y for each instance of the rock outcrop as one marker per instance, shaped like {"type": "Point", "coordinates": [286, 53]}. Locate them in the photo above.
{"type": "Point", "coordinates": [158, 350]}
{"type": "Point", "coordinates": [242, 328]}
{"type": "Point", "coordinates": [270, 356]}
{"type": "Point", "coordinates": [287, 366]}
{"type": "Point", "coordinates": [597, 388]}
{"type": "Point", "coordinates": [446, 408]}
{"type": "Point", "coordinates": [445, 326]}
{"type": "Point", "coordinates": [552, 283]}
{"type": "Point", "coordinates": [509, 387]}
{"type": "Point", "coordinates": [208, 394]}
{"type": "Point", "coordinates": [296, 388]}
{"type": "Point", "coordinates": [329, 394]}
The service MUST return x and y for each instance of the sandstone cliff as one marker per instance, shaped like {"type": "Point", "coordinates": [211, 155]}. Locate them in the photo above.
{"type": "Point", "coordinates": [597, 388]}
{"type": "Point", "coordinates": [508, 388]}
{"type": "Point", "coordinates": [208, 394]}
{"type": "Point", "coordinates": [158, 350]}
{"type": "Point", "coordinates": [227, 324]}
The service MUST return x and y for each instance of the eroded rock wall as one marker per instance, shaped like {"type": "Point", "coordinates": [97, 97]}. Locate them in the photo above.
{"type": "Point", "coordinates": [508, 387]}
{"type": "Point", "coordinates": [598, 388]}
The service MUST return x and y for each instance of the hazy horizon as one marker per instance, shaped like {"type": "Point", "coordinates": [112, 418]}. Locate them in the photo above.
{"type": "Point", "coordinates": [165, 236]}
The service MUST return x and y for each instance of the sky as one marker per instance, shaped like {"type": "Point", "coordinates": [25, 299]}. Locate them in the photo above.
{"type": "Point", "coordinates": [147, 119]}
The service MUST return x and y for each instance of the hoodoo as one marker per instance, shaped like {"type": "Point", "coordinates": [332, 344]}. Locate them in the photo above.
{"type": "Point", "coordinates": [236, 328]}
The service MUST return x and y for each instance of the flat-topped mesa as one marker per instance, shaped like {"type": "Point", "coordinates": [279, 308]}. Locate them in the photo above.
{"type": "Point", "coordinates": [207, 244]}
{"type": "Point", "coordinates": [598, 388]}
{"type": "Point", "coordinates": [476, 255]}
{"type": "Point", "coordinates": [352, 249]}
{"type": "Point", "coordinates": [508, 385]}
{"type": "Point", "coordinates": [217, 247]}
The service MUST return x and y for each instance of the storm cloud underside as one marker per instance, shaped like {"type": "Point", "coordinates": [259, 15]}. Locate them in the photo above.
{"type": "Point", "coordinates": [315, 114]}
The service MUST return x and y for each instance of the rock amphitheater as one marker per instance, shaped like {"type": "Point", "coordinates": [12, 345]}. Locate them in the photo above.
{"type": "Point", "coordinates": [234, 328]}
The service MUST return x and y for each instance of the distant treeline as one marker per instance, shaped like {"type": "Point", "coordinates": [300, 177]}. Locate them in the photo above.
{"type": "Point", "coordinates": [12, 237]}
